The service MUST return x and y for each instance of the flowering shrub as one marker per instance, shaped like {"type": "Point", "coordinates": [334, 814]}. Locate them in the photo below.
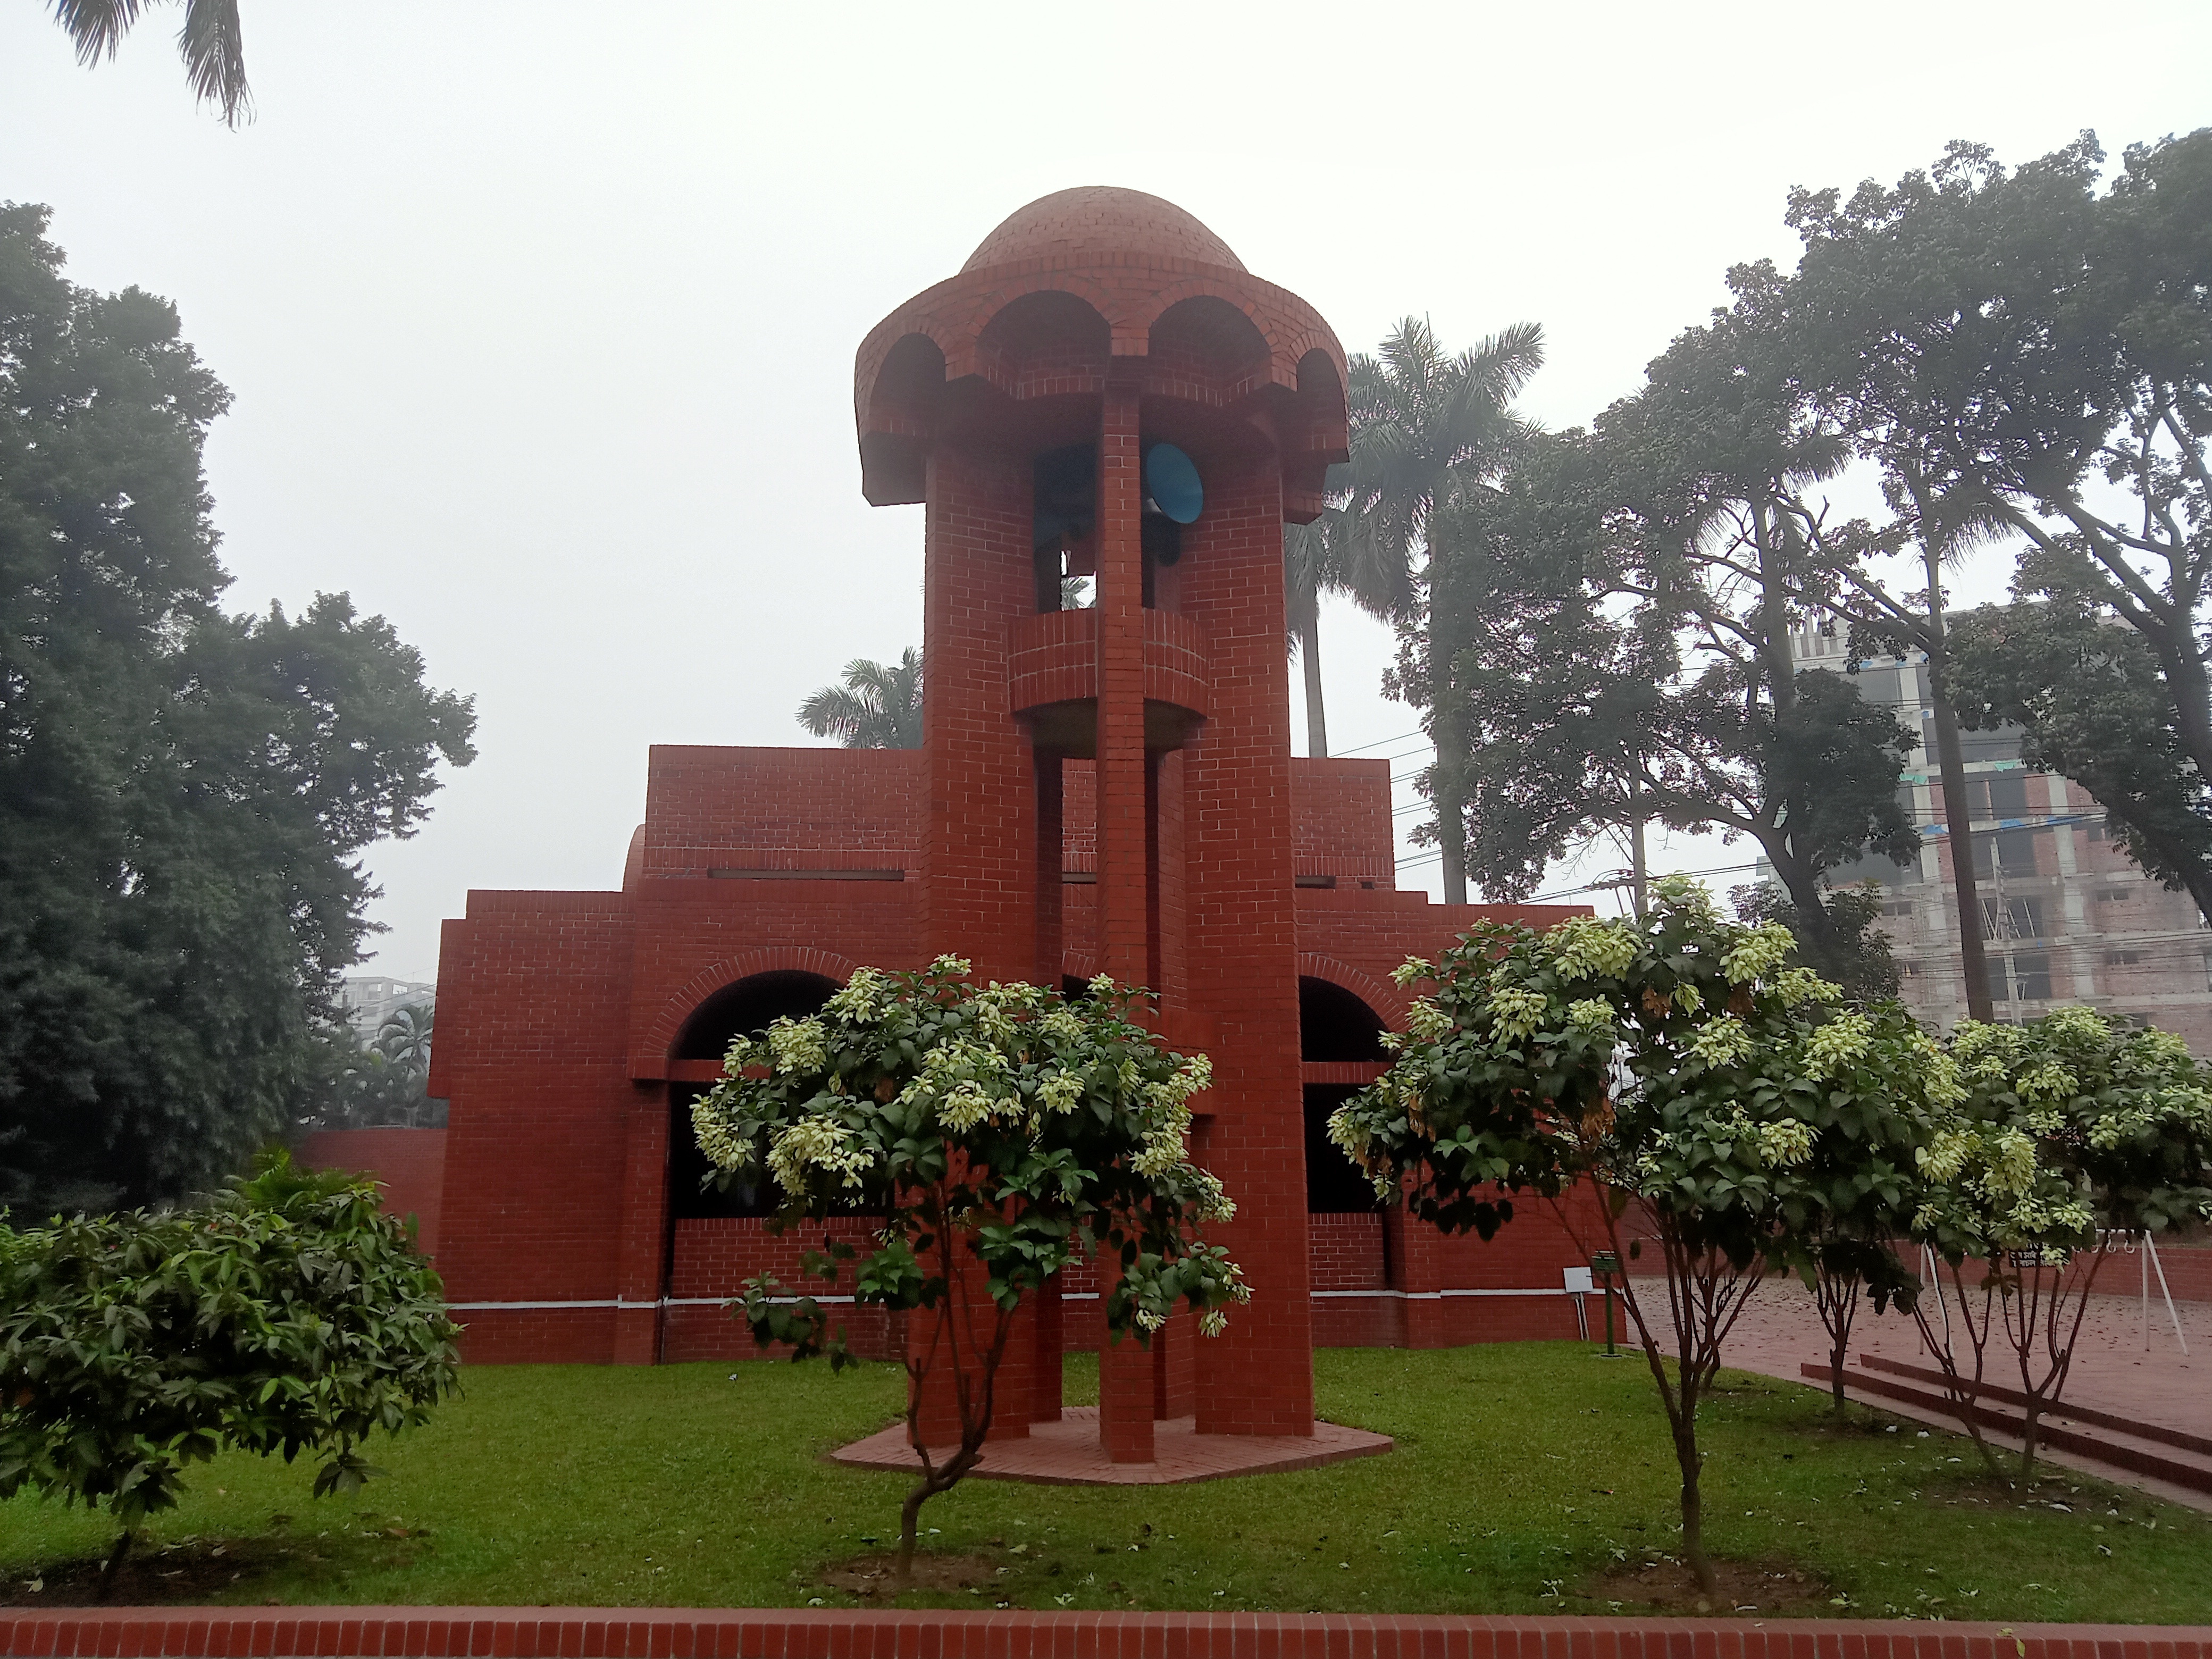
{"type": "Point", "coordinates": [2053, 1137]}
{"type": "Point", "coordinates": [1709, 1090]}
{"type": "Point", "coordinates": [1005, 1131]}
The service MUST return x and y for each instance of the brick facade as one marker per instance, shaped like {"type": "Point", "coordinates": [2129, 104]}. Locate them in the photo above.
{"type": "Point", "coordinates": [1103, 788]}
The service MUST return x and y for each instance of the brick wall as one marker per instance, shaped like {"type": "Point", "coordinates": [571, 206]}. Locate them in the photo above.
{"type": "Point", "coordinates": [410, 1163]}
{"type": "Point", "coordinates": [839, 1633]}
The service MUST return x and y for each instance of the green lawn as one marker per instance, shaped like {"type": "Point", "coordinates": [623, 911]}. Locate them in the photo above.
{"type": "Point", "coordinates": [1523, 1473]}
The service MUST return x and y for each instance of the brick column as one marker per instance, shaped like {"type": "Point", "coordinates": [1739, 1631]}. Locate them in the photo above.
{"type": "Point", "coordinates": [983, 842]}
{"type": "Point", "coordinates": [644, 1227]}
{"type": "Point", "coordinates": [1241, 943]}
{"type": "Point", "coordinates": [1126, 838]}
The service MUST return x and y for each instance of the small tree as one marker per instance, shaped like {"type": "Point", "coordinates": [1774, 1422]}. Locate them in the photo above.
{"type": "Point", "coordinates": [2058, 1135]}
{"type": "Point", "coordinates": [1701, 1084]}
{"type": "Point", "coordinates": [292, 1314]}
{"type": "Point", "coordinates": [1004, 1131]}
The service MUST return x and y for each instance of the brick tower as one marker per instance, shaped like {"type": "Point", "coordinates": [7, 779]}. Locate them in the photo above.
{"type": "Point", "coordinates": [1104, 391]}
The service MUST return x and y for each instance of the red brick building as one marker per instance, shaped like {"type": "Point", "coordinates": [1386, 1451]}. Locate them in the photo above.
{"type": "Point", "coordinates": [1102, 392]}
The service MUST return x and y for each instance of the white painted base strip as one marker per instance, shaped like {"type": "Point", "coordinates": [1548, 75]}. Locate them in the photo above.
{"type": "Point", "coordinates": [1439, 1296]}
{"type": "Point", "coordinates": [828, 1301]}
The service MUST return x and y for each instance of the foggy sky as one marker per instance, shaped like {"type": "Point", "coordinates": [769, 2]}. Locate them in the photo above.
{"type": "Point", "coordinates": [540, 318]}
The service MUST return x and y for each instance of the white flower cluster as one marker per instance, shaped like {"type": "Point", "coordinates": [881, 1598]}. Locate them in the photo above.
{"type": "Point", "coordinates": [717, 1136]}
{"type": "Point", "coordinates": [1846, 1038]}
{"type": "Point", "coordinates": [1721, 1041]}
{"type": "Point", "coordinates": [1589, 947]}
{"type": "Point", "coordinates": [1785, 1142]}
{"type": "Point", "coordinates": [817, 1141]}
{"type": "Point", "coordinates": [1517, 1013]}
{"type": "Point", "coordinates": [858, 1000]}
{"type": "Point", "coordinates": [1758, 952]}
{"type": "Point", "coordinates": [1797, 986]}
{"type": "Point", "coordinates": [798, 1046]}
{"type": "Point", "coordinates": [1167, 1116]}
{"type": "Point", "coordinates": [1590, 1014]}
{"type": "Point", "coordinates": [1425, 1022]}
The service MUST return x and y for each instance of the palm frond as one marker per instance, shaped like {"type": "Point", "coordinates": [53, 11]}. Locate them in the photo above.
{"type": "Point", "coordinates": [212, 44]}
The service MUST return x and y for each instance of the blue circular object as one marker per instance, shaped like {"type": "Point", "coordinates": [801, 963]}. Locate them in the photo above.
{"type": "Point", "coordinates": [1171, 480]}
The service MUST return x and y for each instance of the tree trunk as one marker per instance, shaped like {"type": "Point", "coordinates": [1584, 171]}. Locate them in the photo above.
{"type": "Point", "coordinates": [112, 1565]}
{"type": "Point", "coordinates": [1973, 961]}
{"type": "Point", "coordinates": [1693, 1504]}
{"type": "Point", "coordinates": [1309, 661]}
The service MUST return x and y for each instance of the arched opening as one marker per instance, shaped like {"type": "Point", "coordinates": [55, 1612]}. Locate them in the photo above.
{"type": "Point", "coordinates": [1337, 1024]}
{"type": "Point", "coordinates": [742, 1008]}
{"type": "Point", "coordinates": [1334, 1024]}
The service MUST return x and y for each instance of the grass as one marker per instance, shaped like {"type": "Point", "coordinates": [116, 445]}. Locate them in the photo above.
{"type": "Point", "coordinates": [1524, 1473]}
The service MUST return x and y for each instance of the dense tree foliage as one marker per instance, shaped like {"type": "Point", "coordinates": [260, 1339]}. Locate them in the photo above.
{"type": "Point", "coordinates": [184, 794]}
{"type": "Point", "coordinates": [291, 1315]}
{"type": "Point", "coordinates": [2029, 359]}
{"type": "Point", "coordinates": [2066, 1134]}
{"type": "Point", "coordinates": [1712, 1092]}
{"type": "Point", "coordinates": [1004, 1132]}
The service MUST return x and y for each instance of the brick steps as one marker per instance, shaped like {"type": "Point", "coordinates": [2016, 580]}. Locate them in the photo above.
{"type": "Point", "coordinates": [2199, 1445]}
{"type": "Point", "coordinates": [2134, 1450]}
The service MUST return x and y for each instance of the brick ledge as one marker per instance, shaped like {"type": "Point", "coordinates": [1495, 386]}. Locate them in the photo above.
{"type": "Point", "coordinates": [840, 1634]}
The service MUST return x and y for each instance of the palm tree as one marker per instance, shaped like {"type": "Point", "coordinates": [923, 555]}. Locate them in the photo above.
{"type": "Point", "coordinates": [1428, 431]}
{"type": "Point", "coordinates": [212, 43]}
{"type": "Point", "coordinates": [404, 1039]}
{"type": "Point", "coordinates": [1335, 555]}
{"type": "Point", "coordinates": [878, 705]}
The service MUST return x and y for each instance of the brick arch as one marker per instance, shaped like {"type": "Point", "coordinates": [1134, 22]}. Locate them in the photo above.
{"type": "Point", "coordinates": [660, 1036]}
{"type": "Point", "coordinates": [1073, 964]}
{"type": "Point", "coordinates": [1380, 995]}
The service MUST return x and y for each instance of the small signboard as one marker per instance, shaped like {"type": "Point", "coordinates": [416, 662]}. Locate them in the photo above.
{"type": "Point", "coordinates": [1579, 1281]}
{"type": "Point", "coordinates": [1605, 1262]}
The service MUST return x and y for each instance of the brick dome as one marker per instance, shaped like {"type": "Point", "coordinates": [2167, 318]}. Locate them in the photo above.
{"type": "Point", "coordinates": [1100, 219]}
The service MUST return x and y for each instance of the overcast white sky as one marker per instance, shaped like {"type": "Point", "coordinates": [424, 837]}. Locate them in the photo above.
{"type": "Point", "coordinates": [541, 316]}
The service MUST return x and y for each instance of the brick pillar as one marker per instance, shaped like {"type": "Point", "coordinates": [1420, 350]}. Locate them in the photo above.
{"type": "Point", "coordinates": [1048, 1332]}
{"type": "Point", "coordinates": [1051, 859]}
{"type": "Point", "coordinates": [1241, 931]}
{"type": "Point", "coordinates": [1127, 841]}
{"type": "Point", "coordinates": [1125, 1389]}
{"type": "Point", "coordinates": [1175, 1367]}
{"type": "Point", "coordinates": [1414, 1251]}
{"type": "Point", "coordinates": [981, 845]}
{"type": "Point", "coordinates": [644, 1246]}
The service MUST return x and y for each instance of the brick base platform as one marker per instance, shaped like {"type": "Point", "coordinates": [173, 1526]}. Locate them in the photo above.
{"type": "Point", "coordinates": [1068, 1453]}
{"type": "Point", "coordinates": [828, 1633]}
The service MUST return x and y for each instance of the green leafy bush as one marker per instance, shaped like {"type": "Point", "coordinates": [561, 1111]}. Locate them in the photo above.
{"type": "Point", "coordinates": [290, 1315]}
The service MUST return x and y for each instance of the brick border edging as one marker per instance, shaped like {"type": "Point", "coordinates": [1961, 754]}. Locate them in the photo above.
{"type": "Point", "coordinates": [839, 1634]}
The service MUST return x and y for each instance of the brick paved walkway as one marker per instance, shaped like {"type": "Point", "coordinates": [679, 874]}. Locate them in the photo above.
{"type": "Point", "coordinates": [2112, 1372]}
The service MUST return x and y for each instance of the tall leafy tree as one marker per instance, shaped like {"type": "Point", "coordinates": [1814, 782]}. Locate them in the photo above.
{"type": "Point", "coordinates": [1430, 431]}
{"type": "Point", "coordinates": [212, 44]}
{"type": "Point", "coordinates": [1716, 531]}
{"type": "Point", "coordinates": [2023, 354]}
{"type": "Point", "coordinates": [184, 794]}
{"type": "Point", "coordinates": [878, 707]}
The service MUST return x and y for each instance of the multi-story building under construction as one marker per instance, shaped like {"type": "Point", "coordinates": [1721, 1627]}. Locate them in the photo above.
{"type": "Point", "coordinates": [2066, 917]}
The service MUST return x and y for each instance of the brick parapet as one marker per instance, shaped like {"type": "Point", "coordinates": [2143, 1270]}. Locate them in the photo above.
{"type": "Point", "coordinates": [404, 1632]}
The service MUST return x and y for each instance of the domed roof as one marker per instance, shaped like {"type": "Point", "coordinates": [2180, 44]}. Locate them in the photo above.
{"type": "Point", "coordinates": [1100, 219]}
